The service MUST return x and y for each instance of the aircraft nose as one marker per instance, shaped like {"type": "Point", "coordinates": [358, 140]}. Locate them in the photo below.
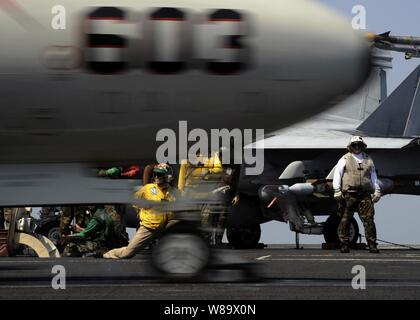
{"type": "Point", "coordinates": [347, 59]}
{"type": "Point", "coordinates": [321, 55]}
{"type": "Point", "coordinates": [326, 48]}
{"type": "Point", "coordinates": [346, 63]}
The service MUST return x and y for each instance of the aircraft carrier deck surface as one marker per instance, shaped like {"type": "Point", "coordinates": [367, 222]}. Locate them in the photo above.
{"type": "Point", "coordinates": [283, 273]}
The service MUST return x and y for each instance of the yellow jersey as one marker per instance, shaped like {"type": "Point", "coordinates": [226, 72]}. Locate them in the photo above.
{"type": "Point", "coordinates": [154, 218]}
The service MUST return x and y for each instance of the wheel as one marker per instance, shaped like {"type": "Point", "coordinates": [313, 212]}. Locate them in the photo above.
{"type": "Point", "coordinates": [180, 255]}
{"type": "Point", "coordinates": [51, 230]}
{"type": "Point", "coordinates": [244, 237]}
{"type": "Point", "coordinates": [331, 230]}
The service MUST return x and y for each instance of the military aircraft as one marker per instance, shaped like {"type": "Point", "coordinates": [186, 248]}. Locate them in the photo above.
{"type": "Point", "coordinates": [296, 185]}
{"type": "Point", "coordinates": [83, 85]}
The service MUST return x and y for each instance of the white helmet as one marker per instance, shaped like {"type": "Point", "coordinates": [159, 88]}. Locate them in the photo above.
{"type": "Point", "coordinates": [357, 139]}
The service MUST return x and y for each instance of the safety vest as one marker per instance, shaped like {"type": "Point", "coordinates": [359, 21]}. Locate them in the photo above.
{"type": "Point", "coordinates": [357, 176]}
{"type": "Point", "coordinates": [191, 177]}
{"type": "Point", "coordinates": [153, 218]}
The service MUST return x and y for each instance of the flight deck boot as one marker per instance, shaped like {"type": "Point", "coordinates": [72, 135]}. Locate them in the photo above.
{"type": "Point", "coordinates": [373, 247]}
{"type": "Point", "coordinates": [345, 248]}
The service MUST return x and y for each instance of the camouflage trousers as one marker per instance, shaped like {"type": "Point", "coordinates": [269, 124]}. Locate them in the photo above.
{"type": "Point", "coordinates": [78, 249]}
{"type": "Point", "coordinates": [364, 206]}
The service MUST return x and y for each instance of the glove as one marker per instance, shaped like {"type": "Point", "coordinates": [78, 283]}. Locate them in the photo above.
{"type": "Point", "coordinates": [376, 197]}
{"type": "Point", "coordinates": [338, 195]}
{"type": "Point", "coordinates": [235, 200]}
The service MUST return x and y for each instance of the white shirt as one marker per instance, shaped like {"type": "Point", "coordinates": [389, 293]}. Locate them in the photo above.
{"type": "Point", "coordinates": [339, 171]}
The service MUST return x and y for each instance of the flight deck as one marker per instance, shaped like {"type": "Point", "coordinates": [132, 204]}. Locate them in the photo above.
{"type": "Point", "coordinates": [276, 272]}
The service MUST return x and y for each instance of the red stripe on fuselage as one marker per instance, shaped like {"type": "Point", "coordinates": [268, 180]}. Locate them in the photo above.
{"type": "Point", "coordinates": [167, 19]}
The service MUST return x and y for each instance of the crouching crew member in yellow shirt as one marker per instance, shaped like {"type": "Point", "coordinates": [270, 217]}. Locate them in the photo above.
{"type": "Point", "coordinates": [153, 220]}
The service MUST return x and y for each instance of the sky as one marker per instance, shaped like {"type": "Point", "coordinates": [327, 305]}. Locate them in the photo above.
{"type": "Point", "coordinates": [397, 217]}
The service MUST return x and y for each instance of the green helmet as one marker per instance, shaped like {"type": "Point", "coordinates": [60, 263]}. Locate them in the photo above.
{"type": "Point", "coordinates": [162, 169]}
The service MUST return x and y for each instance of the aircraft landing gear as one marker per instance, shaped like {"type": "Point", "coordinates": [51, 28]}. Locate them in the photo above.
{"type": "Point", "coordinates": [51, 230]}
{"type": "Point", "coordinates": [180, 256]}
{"type": "Point", "coordinates": [21, 238]}
{"type": "Point", "coordinates": [331, 230]}
{"type": "Point", "coordinates": [244, 237]}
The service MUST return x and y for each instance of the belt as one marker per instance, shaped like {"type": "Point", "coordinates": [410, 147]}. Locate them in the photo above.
{"type": "Point", "coordinates": [359, 193]}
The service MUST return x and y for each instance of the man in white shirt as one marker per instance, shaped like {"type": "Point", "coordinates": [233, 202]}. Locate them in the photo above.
{"type": "Point", "coordinates": [356, 189]}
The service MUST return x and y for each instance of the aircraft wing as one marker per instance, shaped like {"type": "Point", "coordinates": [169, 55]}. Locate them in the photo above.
{"type": "Point", "coordinates": [326, 139]}
{"type": "Point", "coordinates": [333, 129]}
{"type": "Point", "coordinates": [325, 132]}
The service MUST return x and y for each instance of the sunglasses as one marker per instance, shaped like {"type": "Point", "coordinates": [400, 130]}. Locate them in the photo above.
{"type": "Point", "coordinates": [357, 145]}
{"type": "Point", "coordinates": [159, 174]}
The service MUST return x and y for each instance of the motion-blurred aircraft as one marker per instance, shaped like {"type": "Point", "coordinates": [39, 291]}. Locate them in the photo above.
{"type": "Point", "coordinates": [84, 85]}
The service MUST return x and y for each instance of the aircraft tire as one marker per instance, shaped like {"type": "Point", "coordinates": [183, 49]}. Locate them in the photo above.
{"type": "Point", "coordinates": [244, 237]}
{"type": "Point", "coordinates": [331, 230]}
{"type": "Point", "coordinates": [51, 230]}
{"type": "Point", "coordinates": [181, 256]}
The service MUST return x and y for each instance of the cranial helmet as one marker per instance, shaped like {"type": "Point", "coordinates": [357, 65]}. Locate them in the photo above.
{"type": "Point", "coordinates": [357, 140]}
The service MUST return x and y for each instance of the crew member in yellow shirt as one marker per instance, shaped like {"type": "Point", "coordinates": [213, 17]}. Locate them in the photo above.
{"type": "Point", "coordinates": [193, 178]}
{"type": "Point", "coordinates": [153, 220]}
{"type": "Point", "coordinates": [199, 181]}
